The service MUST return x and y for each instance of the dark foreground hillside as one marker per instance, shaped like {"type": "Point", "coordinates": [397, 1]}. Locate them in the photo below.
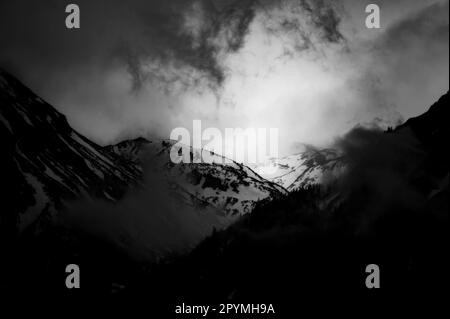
{"type": "Point", "coordinates": [310, 248]}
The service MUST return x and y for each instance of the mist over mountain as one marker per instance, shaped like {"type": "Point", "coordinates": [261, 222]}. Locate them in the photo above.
{"type": "Point", "coordinates": [179, 204]}
{"type": "Point", "coordinates": [311, 167]}
{"type": "Point", "coordinates": [389, 207]}
{"type": "Point", "coordinates": [130, 195]}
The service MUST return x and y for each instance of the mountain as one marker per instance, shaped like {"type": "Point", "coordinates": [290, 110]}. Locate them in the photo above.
{"type": "Point", "coordinates": [392, 210]}
{"type": "Point", "coordinates": [44, 161]}
{"type": "Point", "coordinates": [66, 199]}
{"type": "Point", "coordinates": [313, 166]}
{"type": "Point", "coordinates": [303, 169]}
{"type": "Point", "coordinates": [431, 176]}
{"type": "Point", "coordinates": [432, 130]}
{"type": "Point", "coordinates": [226, 185]}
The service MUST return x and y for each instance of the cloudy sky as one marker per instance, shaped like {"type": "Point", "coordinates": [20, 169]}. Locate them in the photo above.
{"type": "Point", "coordinates": [308, 67]}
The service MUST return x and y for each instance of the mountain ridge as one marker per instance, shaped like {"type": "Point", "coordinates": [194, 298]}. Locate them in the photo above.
{"type": "Point", "coordinates": [47, 163]}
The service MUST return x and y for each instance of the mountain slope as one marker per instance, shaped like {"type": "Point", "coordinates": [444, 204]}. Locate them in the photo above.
{"type": "Point", "coordinates": [432, 129]}
{"type": "Point", "coordinates": [229, 186]}
{"type": "Point", "coordinates": [45, 161]}
{"type": "Point", "coordinates": [303, 169]}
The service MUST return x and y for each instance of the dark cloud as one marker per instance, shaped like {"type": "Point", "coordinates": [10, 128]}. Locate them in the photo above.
{"type": "Point", "coordinates": [412, 57]}
{"type": "Point", "coordinates": [35, 38]}
{"type": "Point", "coordinates": [325, 17]}
{"type": "Point", "coordinates": [123, 71]}
{"type": "Point", "coordinates": [430, 23]}
{"type": "Point", "coordinates": [309, 22]}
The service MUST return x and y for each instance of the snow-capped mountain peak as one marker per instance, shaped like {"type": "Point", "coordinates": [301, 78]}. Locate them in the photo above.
{"type": "Point", "coordinates": [224, 184]}
{"type": "Point", "coordinates": [50, 163]}
{"type": "Point", "coordinates": [302, 169]}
